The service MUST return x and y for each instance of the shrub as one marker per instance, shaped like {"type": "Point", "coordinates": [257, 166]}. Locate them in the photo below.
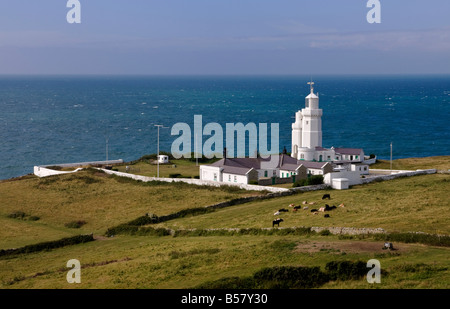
{"type": "Point", "coordinates": [427, 239]}
{"type": "Point", "coordinates": [325, 232]}
{"type": "Point", "coordinates": [48, 245]}
{"type": "Point", "coordinates": [17, 215]}
{"type": "Point", "coordinates": [315, 180]}
{"type": "Point", "coordinates": [285, 277]}
{"type": "Point", "coordinates": [174, 175]}
{"type": "Point", "coordinates": [346, 270]}
{"type": "Point", "coordinates": [75, 224]}
{"type": "Point", "coordinates": [310, 181]}
{"type": "Point", "coordinates": [33, 218]}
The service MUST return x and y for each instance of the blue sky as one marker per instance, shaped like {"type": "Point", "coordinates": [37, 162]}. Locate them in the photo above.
{"type": "Point", "coordinates": [224, 37]}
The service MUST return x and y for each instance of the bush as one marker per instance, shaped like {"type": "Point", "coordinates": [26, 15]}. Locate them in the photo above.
{"type": "Point", "coordinates": [22, 216]}
{"type": "Point", "coordinates": [427, 239]}
{"type": "Point", "coordinates": [174, 175]}
{"type": "Point", "coordinates": [315, 180]}
{"type": "Point", "coordinates": [75, 224]}
{"type": "Point", "coordinates": [310, 181]}
{"type": "Point", "coordinates": [17, 215]}
{"type": "Point", "coordinates": [325, 232]}
{"type": "Point", "coordinates": [48, 245]}
{"type": "Point", "coordinates": [283, 277]}
{"type": "Point", "coordinates": [346, 270]}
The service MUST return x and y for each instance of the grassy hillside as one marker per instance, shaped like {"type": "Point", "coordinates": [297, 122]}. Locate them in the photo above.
{"type": "Point", "coordinates": [418, 203]}
{"type": "Point", "coordinates": [437, 162]}
{"type": "Point", "coordinates": [95, 198]}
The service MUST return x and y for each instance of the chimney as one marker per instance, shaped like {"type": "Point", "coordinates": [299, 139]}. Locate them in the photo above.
{"type": "Point", "coordinates": [225, 153]}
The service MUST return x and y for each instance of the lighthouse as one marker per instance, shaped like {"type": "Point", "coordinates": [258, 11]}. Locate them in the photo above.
{"type": "Point", "coordinates": [307, 128]}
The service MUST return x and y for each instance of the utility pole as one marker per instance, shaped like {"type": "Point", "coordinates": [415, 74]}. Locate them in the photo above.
{"type": "Point", "coordinates": [107, 139]}
{"type": "Point", "coordinates": [157, 156]}
{"type": "Point", "coordinates": [391, 158]}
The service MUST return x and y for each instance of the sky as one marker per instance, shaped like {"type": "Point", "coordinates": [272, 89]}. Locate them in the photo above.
{"type": "Point", "coordinates": [225, 37]}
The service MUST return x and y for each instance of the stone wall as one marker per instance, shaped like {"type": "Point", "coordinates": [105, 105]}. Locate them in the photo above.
{"type": "Point", "coordinates": [396, 174]}
{"type": "Point", "coordinates": [198, 182]}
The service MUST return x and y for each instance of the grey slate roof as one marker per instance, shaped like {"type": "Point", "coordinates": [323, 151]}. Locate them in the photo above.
{"type": "Point", "coordinates": [241, 166]}
{"type": "Point", "coordinates": [348, 151]}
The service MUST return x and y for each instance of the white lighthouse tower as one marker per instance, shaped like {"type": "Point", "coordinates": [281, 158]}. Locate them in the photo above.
{"type": "Point", "coordinates": [307, 128]}
{"type": "Point", "coordinates": [312, 121]}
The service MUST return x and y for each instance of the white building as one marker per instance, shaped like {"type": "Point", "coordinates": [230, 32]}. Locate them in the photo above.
{"type": "Point", "coordinates": [163, 159]}
{"type": "Point", "coordinates": [307, 136]}
{"type": "Point", "coordinates": [308, 157]}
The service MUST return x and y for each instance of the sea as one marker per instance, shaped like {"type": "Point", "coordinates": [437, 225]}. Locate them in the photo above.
{"type": "Point", "coordinates": [64, 119]}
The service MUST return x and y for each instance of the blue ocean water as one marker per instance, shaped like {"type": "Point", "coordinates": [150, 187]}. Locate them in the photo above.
{"type": "Point", "coordinates": [59, 119]}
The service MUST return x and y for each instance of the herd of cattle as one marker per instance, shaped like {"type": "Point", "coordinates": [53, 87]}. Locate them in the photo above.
{"type": "Point", "coordinates": [314, 210]}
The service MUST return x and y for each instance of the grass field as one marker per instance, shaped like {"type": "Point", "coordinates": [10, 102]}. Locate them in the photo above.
{"type": "Point", "coordinates": [187, 169]}
{"type": "Point", "coordinates": [96, 198]}
{"type": "Point", "coordinates": [438, 162]}
{"type": "Point", "coordinates": [418, 203]}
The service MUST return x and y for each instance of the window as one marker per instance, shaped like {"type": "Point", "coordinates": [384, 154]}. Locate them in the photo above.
{"type": "Point", "coordinates": [356, 157]}
{"type": "Point", "coordinates": [229, 178]}
{"type": "Point", "coordinates": [215, 176]}
{"type": "Point", "coordinates": [235, 178]}
{"type": "Point", "coordinates": [302, 156]}
{"type": "Point", "coordinates": [265, 173]}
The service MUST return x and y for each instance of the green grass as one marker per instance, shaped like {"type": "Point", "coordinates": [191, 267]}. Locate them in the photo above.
{"type": "Point", "coordinates": [100, 200]}
{"type": "Point", "coordinates": [437, 162]}
{"type": "Point", "coordinates": [167, 262]}
{"type": "Point", "coordinates": [155, 261]}
{"type": "Point", "coordinates": [187, 169]}
{"type": "Point", "coordinates": [417, 203]}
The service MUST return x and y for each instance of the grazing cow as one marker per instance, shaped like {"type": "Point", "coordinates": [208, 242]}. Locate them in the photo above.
{"type": "Point", "coordinates": [276, 213]}
{"type": "Point", "coordinates": [326, 216]}
{"type": "Point", "coordinates": [314, 210]}
{"type": "Point", "coordinates": [326, 196]}
{"type": "Point", "coordinates": [311, 203]}
{"type": "Point", "coordinates": [342, 205]}
{"type": "Point", "coordinates": [277, 222]}
{"type": "Point", "coordinates": [291, 205]}
{"type": "Point", "coordinates": [283, 210]}
{"type": "Point", "coordinates": [305, 208]}
{"type": "Point", "coordinates": [322, 209]}
{"type": "Point", "coordinates": [297, 207]}
{"type": "Point", "coordinates": [304, 202]}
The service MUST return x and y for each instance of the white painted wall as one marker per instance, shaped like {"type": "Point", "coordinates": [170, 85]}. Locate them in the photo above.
{"type": "Point", "coordinates": [210, 173]}
{"type": "Point", "coordinates": [232, 178]}
{"type": "Point", "coordinates": [354, 178]}
{"type": "Point", "coordinates": [41, 171]}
